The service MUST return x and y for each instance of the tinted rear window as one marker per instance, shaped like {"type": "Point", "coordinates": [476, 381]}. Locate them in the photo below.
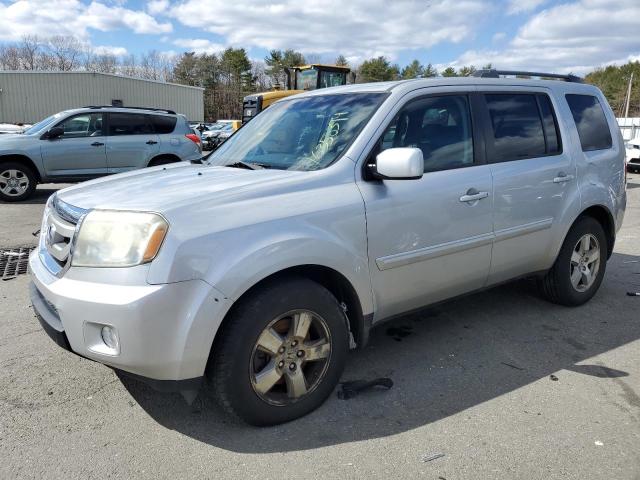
{"type": "Point", "coordinates": [129, 124]}
{"type": "Point", "coordinates": [163, 124]}
{"type": "Point", "coordinates": [516, 126]}
{"type": "Point", "coordinates": [591, 122]}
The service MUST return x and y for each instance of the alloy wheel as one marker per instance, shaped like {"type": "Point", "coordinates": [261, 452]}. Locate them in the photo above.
{"type": "Point", "coordinates": [290, 357]}
{"type": "Point", "coordinates": [13, 183]}
{"type": "Point", "coordinates": [585, 263]}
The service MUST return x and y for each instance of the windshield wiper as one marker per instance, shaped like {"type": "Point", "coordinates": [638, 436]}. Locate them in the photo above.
{"type": "Point", "coordinates": [247, 165]}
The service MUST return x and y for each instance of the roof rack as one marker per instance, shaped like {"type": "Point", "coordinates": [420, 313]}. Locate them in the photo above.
{"type": "Point", "coordinates": [496, 74]}
{"type": "Point", "coordinates": [97, 107]}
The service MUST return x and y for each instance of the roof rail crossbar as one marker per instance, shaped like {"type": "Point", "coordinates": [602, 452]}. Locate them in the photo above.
{"type": "Point", "coordinates": [97, 107]}
{"type": "Point", "coordinates": [496, 74]}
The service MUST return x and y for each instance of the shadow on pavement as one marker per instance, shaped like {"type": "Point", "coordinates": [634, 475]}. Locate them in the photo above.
{"type": "Point", "coordinates": [450, 358]}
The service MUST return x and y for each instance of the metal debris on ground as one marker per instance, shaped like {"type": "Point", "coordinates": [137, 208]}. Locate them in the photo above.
{"type": "Point", "coordinates": [352, 389]}
{"type": "Point", "coordinates": [14, 261]}
{"type": "Point", "coordinates": [434, 456]}
{"type": "Point", "coordinates": [633, 294]}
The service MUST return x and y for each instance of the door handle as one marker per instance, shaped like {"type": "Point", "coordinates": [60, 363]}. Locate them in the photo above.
{"type": "Point", "coordinates": [473, 195]}
{"type": "Point", "coordinates": [97, 144]}
{"type": "Point", "coordinates": [562, 177]}
{"type": "Point", "coordinates": [151, 142]}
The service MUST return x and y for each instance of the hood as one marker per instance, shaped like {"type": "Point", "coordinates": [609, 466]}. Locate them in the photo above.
{"type": "Point", "coordinates": [9, 140]}
{"type": "Point", "coordinates": [172, 187]}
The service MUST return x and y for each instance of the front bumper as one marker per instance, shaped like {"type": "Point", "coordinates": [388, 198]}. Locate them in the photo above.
{"type": "Point", "coordinates": [165, 331]}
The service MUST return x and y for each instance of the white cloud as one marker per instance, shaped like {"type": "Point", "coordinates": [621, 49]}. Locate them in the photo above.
{"type": "Point", "coordinates": [357, 29]}
{"type": "Point", "coordinates": [574, 37]}
{"type": "Point", "coordinates": [71, 17]}
{"type": "Point", "coordinates": [498, 37]}
{"type": "Point", "coordinates": [105, 18]}
{"type": "Point", "coordinates": [199, 45]}
{"type": "Point", "coordinates": [515, 7]}
{"type": "Point", "coordinates": [110, 50]}
{"type": "Point", "coordinates": [156, 7]}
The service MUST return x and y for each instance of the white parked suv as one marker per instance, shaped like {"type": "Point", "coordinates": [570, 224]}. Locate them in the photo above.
{"type": "Point", "coordinates": [329, 213]}
{"type": "Point", "coordinates": [633, 155]}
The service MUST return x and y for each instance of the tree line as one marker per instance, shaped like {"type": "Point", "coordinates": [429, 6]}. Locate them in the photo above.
{"type": "Point", "coordinates": [230, 75]}
{"type": "Point", "coordinates": [66, 53]}
{"type": "Point", "coordinates": [614, 81]}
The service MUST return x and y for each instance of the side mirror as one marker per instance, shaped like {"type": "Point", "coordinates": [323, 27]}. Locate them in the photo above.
{"type": "Point", "coordinates": [55, 132]}
{"type": "Point", "coordinates": [399, 164]}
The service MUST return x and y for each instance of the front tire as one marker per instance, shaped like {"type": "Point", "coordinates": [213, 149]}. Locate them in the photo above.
{"type": "Point", "coordinates": [579, 269]}
{"type": "Point", "coordinates": [281, 352]}
{"type": "Point", "coordinates": [17, 182]}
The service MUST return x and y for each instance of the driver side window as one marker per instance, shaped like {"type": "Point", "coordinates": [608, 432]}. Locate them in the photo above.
{"type": "Point", "coordinates": [439, 126]}
{"type": "Point", "coordinates": [84, 125]}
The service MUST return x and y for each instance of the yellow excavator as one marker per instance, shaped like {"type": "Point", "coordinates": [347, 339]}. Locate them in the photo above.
{"type": "Point", "coordinates": [299, 79]}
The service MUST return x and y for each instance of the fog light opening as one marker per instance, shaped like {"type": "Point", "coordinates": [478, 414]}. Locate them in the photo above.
{"type": "Point", "coordinates": [110, 337]}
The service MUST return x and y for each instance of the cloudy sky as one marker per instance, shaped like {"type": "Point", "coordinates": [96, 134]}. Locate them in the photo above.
{"type": "Point", "coordinates": [564, 36]}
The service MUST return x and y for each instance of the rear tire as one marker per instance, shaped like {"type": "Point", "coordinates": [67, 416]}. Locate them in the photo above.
{"type": "Point", "coordinates": [257, 371]}
{"type": "Point", "coordinates": [17, 181]}
{"type": "Point", "coordinates": [579, 269]}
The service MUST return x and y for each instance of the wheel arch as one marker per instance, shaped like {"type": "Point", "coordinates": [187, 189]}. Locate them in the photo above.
{"type": "Point", "coordinates": [602, 215]}
{"type": "Point", "coordinates": [23, 160]}
{"type": "Point", "coordinates": [163, 159]}
{"type": "Point", "coordinates": [339, 286]}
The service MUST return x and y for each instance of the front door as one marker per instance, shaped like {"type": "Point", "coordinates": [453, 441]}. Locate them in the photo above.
{"type": "Point", "coordinates": [80, 152]}
{"type": "Point", "coordinates": [430, 239]}
{"type": "Point", "coordinates": [132, 141]}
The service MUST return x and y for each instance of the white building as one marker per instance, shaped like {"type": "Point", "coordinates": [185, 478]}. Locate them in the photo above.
{"type": "Point", "coordinates": [630, 128]}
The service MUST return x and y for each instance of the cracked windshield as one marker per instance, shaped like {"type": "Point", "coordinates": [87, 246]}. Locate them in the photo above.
{"type": "Point", "coordinates": [299, 134]}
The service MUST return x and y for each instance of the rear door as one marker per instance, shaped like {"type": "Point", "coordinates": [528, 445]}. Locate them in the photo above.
{"type": "Point", "coordinates": [534, 178]}
{"type": "Point", "coordinates": [430, 239]}
{"type": "Point", "coordinates": [172, 131]}
{"type": "Point", "coordinates": [132, 141]}
{"type": "Point", "coordinates": [80, 152]}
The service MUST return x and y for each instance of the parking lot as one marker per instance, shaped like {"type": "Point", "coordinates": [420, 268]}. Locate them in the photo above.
{"type": "Point", "coordinates": [499, 384]}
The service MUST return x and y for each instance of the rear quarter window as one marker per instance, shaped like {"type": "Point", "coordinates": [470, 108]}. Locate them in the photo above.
{"type": "Point", "coordinates": [591, 122]}
{"type": "Point", "coordinates": [163, 124]}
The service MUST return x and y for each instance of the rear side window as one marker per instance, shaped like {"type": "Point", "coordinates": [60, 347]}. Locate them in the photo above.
{"type": "Point", "coordinates": [591, 122]}
{"type": "Point", "coordinates": [163, 124]}
{"type": "Point", "coordinates": [516, 126]}
{"type": "Point", "coordinates": [129, 124]}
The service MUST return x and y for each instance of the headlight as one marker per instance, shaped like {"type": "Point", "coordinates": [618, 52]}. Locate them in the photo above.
{"type": "Point", "coordinates": [118, 239]}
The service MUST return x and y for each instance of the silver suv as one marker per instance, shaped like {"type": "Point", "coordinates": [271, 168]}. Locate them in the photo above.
{"type": "Point", "coordinates": [329, 213]}
{"type": "Point", "coordinates": [90, 142]}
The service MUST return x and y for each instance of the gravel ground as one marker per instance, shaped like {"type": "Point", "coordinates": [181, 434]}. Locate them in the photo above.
{"type": "Point", "coordinates": [502, 384]}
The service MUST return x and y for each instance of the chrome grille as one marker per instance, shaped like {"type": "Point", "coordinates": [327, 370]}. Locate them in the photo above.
{"type": "Point", "coordinates": [57, 236]}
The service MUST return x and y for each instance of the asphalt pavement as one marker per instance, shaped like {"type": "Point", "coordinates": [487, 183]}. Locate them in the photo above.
{"type": "Point", "coordinates": [499, 384]}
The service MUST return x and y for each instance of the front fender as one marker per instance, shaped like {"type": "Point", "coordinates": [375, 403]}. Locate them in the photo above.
{"type": "Point", "coordinates": [267, 260]}
{"type": "Point", "coordinates": [30, 154]}
{"type": "Point", "coordinates": [233, 261]}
